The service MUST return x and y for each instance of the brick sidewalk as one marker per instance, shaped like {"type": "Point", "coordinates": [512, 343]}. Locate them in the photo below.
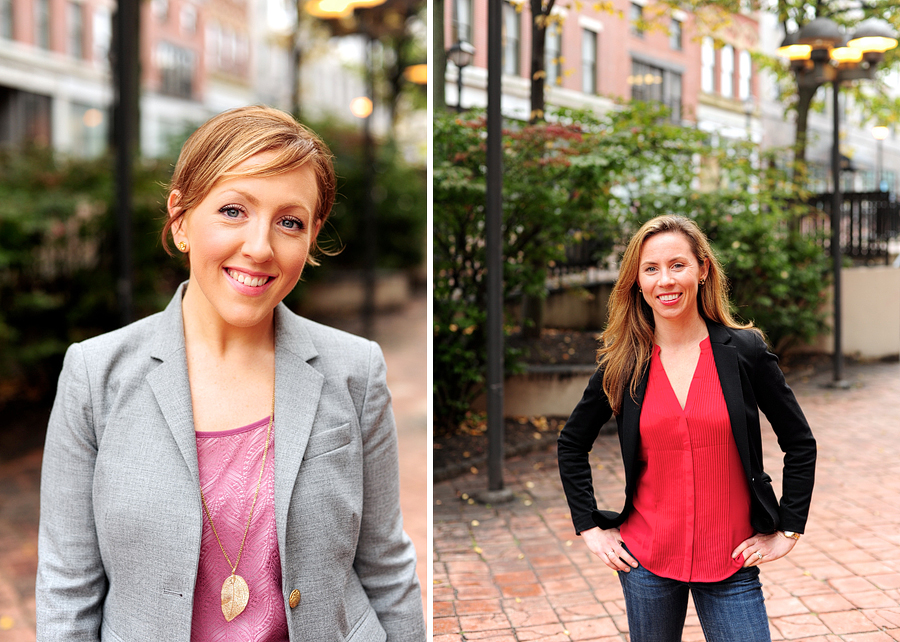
{"type": "Point", "coordinates": [402, 335]}
{"type": "Point", "coordinates": [518, 572]}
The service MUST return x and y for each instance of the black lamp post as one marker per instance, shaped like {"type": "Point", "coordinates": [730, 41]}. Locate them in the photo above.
{"type": "Point", "coordinates": [461, 55]}
{"type": "Point", "coordinates": [820, 53]}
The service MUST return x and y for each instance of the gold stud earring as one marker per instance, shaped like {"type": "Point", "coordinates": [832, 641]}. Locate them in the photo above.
{"type": "Point", "coordinates": [702, 281]}
{"type": "Point", "coordinates": [640, 291]}
{"type": "Point", "coordinates": [182, 246]}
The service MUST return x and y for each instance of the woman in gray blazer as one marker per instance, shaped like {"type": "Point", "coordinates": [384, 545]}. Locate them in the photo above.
{"type": "Point", "coordinates": [226, 469]}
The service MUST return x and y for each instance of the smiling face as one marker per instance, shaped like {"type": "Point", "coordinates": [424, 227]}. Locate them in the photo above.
{"type": "Point", "coordinates": [669, 275]}
{"type": "Point", "coordinates": [248, 240]}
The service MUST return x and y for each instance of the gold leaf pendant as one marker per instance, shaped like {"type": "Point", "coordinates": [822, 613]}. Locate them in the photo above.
{"type": "Point", "coordinates": [235, 595]}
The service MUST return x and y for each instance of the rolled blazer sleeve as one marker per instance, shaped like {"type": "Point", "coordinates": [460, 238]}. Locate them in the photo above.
{"type": "Point", "coordinates": [573, 449]}
{"type": "Point", "coordinates": [385, 558]}
{"type": "Point", "coordinates": [71, 582]}
{"type": "Point", "coordinates": [778, 403]}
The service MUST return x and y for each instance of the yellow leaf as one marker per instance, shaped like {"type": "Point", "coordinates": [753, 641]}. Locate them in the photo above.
{"type": "Point", "coordinates": [235, 595]}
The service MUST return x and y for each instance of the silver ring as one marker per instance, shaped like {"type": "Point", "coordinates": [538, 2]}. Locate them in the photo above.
{"type": "Point", "coordinates": [759, 555]}
{"type": "Point", "coordinates": [611, 554]}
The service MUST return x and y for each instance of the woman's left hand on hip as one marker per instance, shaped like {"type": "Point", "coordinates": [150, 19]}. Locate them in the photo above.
{"type": "Point", "coordinates": [760, 548]}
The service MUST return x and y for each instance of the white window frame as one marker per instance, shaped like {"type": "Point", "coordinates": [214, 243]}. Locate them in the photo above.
{"type": "Point", "coordinates": [726, 71]}
{"type": "Point", "coordinates": [707, 65]}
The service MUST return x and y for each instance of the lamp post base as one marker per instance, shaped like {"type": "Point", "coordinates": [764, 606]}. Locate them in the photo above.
{"type": "Point", "coordinates": [838, 384]}
{"type": "Point", "coordinates": [494, 496]}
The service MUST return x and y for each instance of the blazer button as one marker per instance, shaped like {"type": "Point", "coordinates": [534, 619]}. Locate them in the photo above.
{"type": "Point", "coordinates": [294, 599]}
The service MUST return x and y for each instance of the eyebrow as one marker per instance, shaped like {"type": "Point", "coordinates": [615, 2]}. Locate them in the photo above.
{"type": "Point", "coordinates": [683, 259]}
{"type": "Point", "coordinates": [255, 201]}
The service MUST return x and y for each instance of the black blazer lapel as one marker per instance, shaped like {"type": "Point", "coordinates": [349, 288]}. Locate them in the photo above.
{"type": "Point", "coordinates": [630, 429]}
{"type": "Point", "coordinates": [726, 357]}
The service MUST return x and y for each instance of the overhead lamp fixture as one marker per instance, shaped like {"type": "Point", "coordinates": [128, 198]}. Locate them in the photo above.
{"type": "Point", "coordinates": [417, 74]}
{"type": "Point", "coordinates": [461, 54]}
{"type": "Point", "coordinates": [880, 132]}
{"type": "Point", "coordinates": [873, 35]}
{"type": "Point", "coordinates": [792, 49]}
{"type": "Point", "coordinates": [329, 9]}
{"type": "Point", "coordinates": [845, 54]}
{"type": "Point", "coordinates": [821, 33]}
{"type": "Point", "coordinates": [361, 107]}
{"type": "Point", "coordinates": [336, 9]}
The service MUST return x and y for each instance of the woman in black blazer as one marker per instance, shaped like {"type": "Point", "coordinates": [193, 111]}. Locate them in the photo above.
{"type": "Point", "coordinates": [670, 298]}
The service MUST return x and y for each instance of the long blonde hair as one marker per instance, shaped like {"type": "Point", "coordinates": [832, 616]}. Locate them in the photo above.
{"type": "Point", "coordinates": [627, 343]}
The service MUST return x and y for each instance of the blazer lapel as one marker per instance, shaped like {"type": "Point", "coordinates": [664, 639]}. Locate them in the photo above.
{"type": "Point", "coordinates": [631, 423]}
{"type": "Point", "coordinates": [169, 382]}
{"type": "Point", "coordinates": [298, 387]}
{"type": "Point", "coordinates": [725, 355]}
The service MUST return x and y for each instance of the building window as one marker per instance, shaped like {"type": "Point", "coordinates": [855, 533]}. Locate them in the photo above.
{"type": "Point", "coordinates": [511, 37]}
{"type": "Point", "coordinates": [75, 28]}
{"type": "Point", "coordinates": [745, 71]}
{"type": "Point", "coordinates": [588, 61]}
{"type": "Point", "coordinates": [88, 126]}
{"type": "Point", "coordinates": [553, 54]}
{"type": "Point", "coordinates": [42, 23]}
{"type": "Point", "coordinates": [462, 21]}
{"type": "Point", "coordinates": [675, 35]}
{"type": "Point", "coordinates": [24, 118]}
{"type": "Point", "coordinates": [726, 77]}
{"type": "Point", "coordinates": [176, 67]}
{"type": "Point", "coordinates": [649, 83]}
{"type": "Point", "coordinates": [707, 66]}
{"type": "Point", "coordinates": [102, 35]}
{"type": "Point", "coordinates": [160, 9]}
{"type": "Point", "coordinates": [6, 19]}
{"type": "Point", "coordinates": [188, 19]}
{"type": "Point", "coordinates": [636, 20]}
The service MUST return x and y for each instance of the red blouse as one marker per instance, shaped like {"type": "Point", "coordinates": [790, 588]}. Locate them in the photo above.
{"type": "Point", "coordinates": [691, 504]}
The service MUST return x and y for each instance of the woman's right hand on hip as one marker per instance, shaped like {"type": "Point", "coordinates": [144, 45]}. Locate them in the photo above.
{"type": "Point", "coordinates": [607, 545]}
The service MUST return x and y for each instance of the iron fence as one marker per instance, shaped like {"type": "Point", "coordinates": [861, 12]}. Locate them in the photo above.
{"type": "Point", "coordinates": [869, 220]}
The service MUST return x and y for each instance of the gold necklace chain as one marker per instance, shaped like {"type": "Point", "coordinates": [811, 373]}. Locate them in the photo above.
{"type": "Point", "coordinates": [235, 593]}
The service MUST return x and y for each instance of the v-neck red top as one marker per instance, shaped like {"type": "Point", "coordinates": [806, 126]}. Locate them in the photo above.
{"type": "Point", "coordinates": [691, 503]}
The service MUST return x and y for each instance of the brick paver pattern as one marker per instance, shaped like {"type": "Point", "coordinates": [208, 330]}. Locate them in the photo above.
{"type": "Point", "coordinates": [518, 572]}
{"type": "Point", "coordinates": [403, 336]}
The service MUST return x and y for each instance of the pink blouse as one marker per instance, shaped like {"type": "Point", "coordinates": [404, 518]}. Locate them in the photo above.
{"type": "Point", "coordinates": [691, 503]}
{"type": "Point", "coordinates": [229, 469]}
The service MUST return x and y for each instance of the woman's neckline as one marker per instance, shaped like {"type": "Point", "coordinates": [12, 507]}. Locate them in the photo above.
{"type": "Point", "coordinates": [233, 431]}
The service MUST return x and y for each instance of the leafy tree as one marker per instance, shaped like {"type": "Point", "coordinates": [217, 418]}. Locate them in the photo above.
{"type": "Point", "coordinates": [559, 178]}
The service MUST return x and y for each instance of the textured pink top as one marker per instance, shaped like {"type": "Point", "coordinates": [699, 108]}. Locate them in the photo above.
{"type": "Point", "coordinates": [229, 469]}
{"type": "Point", "coordinates": [691, 504]}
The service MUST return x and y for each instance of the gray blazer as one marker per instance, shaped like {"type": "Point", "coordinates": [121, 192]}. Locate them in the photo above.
{"type": "Point", "coordinates": [121, 516]}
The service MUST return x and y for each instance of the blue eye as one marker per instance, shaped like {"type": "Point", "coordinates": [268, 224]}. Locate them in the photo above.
{"type": "Point", "coordinates": [231, 211]}
{"type": "Point", "coordinates": [292, 223]}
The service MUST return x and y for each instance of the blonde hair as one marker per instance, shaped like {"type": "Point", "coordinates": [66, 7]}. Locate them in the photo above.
{"type": "Point", "coordinates": [228, 139]}
{"type": "Point", "coordinates": [627, 343]}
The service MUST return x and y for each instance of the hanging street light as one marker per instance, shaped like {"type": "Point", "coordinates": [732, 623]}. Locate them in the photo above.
{"type": "Point", "coordinates": [821, 53]}
{"type": "Point", "coordinates": [460, 54]}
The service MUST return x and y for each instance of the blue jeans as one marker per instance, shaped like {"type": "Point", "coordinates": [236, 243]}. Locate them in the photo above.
{"type": "Point", "coordinates": [730, 611]}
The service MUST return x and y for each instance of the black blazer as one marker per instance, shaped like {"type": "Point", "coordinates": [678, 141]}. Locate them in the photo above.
{"type": "Point", "coordinates": [751, 381]}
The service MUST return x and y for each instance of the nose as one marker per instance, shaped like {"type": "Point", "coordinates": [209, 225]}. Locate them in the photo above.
{"type": "Point", "coordinates": [665, 277]}
{"type": "Point", "coordinates": [257, 244]}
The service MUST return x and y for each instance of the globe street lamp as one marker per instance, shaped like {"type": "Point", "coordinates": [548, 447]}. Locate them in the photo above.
{"type": "Point", "coordinates": [461, 55]}
{"type": "Point", "coordinates": [880, 132]}
{"type": "Point", "coordinates": [821, 53]}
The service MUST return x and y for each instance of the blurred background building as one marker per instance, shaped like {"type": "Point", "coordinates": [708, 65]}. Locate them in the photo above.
{"type": "Point", "coordinates": [197, 58]}
{"type": "Point", "coordinates": [704, 70]}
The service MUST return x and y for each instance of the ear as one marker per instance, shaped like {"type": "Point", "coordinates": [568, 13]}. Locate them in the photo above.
{"type": "Point", "coordinates": [174, 211]}
{"type": "Point", "coordinates": [704, 271]}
